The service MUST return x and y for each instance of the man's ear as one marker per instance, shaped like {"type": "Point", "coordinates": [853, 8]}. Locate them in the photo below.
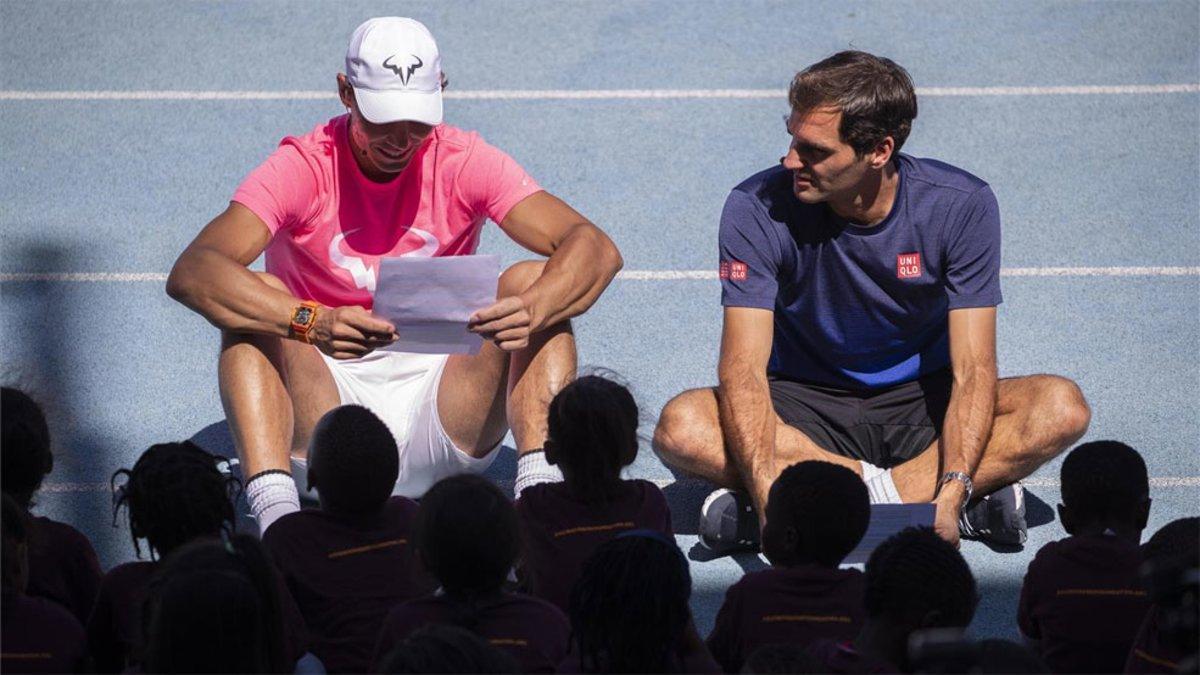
{"type": "Point", "coordinates": [345, 91]}
{"type": "Point", "coordinates": [1064, 517]}
{"type": "Point", "coordinates": [882, 154]}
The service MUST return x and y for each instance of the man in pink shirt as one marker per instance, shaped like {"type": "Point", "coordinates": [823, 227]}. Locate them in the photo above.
{"type": "Point", "coordinates": [387, 179]}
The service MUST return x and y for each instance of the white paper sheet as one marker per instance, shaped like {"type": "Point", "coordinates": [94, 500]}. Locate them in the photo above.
{"type": "Point", "coordinates": [430, 299]}
{"type": "Point", "coordinates": [886, 520]}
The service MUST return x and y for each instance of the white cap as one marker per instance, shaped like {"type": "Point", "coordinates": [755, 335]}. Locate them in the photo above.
{"type": "Point", "coordinates": [396, 71]}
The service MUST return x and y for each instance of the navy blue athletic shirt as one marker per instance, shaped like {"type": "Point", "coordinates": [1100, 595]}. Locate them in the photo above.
{"type": "Point", "coordinates": [862, 307]}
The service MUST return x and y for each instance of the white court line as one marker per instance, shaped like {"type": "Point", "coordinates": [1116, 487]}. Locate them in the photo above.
{"type": "Point", "coordinates": [580, 94]}
{"type": "Point", "coordinates": [1156, 482]}
{"type": "Point", "coordinates": [642, 275]}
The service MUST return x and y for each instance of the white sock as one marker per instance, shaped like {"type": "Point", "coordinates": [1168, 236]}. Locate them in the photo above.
{"type": "Point", "coordinates": [880, 486]}
{"type": "Point", "coordinates": [532, 469]}
{"type": "Point", "coordinates": [272, 495]}
{"type": "Point", "coordinates": [300, 478]}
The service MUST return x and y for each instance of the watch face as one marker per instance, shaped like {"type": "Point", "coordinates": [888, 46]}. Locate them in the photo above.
{"type": "Point", "coordinates": [304, 315]}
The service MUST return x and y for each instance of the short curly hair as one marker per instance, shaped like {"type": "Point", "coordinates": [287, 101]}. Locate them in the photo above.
{"type": "Point", "coordinates": [916, 572]}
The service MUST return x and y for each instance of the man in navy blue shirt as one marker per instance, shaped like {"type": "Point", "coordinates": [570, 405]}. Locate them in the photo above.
{"type": "Point", "coordinates": [860, 288]}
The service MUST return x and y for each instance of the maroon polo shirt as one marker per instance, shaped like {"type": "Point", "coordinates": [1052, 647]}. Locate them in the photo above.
{"type": "Point", "coordinates": [1083, 600]}
{"type": "Point", "coordinates": [114, 630]}
{"type": "Point", "coordinates": [62, 566]}
{"type": "Point", "coordinates": [561, 532]}
{"type": "Point", "coordinates": [532, 631]}
{"type": "Point", "coordinates": [39, 636]}
{"type": "Point", "coordinates": [346, 573]}
{"type": "Point", "coordinates": [1150, 653]}
{"type": "Point", "coordinates": [795, 605]}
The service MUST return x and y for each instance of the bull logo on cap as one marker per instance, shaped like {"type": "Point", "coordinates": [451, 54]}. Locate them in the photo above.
{"type": "Point", "coordinates": [405, 71]}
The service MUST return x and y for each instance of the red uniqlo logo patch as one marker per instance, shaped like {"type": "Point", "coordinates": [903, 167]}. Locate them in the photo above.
{"type": "Point", "coordinates": [908, 266]}
{"type": "Point", "coordinates": [732, 270]}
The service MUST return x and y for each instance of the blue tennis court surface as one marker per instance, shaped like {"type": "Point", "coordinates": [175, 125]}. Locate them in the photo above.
{"type": "Point", "coordinates": [1082, 116]}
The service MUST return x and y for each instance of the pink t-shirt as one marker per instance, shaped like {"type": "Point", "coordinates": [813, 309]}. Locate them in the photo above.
{"type": "Point", "coordinates": [330, 224]}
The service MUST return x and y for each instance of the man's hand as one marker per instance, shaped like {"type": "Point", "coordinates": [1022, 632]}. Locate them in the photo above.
{"type": "Point", "coordinates": [949, 503]}
{"type": "Point", "coordinates": [350, 332]}
{"type": "Point", "coordinates": [508, 323]}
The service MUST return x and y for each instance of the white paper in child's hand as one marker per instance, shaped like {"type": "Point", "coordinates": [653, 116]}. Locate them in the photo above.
{"type": "Point", "coordinates": [430, 299]}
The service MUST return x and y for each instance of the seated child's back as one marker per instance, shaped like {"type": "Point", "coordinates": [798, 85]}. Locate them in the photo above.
{"type": "Point", "coordinates": [592, 435]}
{"type": "Point", "coordinates": [173, 494]}
{"type": "Point", "coordinates": [62, 563]}
{"type": "Point", "coordinates": [349, 562]}
{"type": "Point", "coordinates": [816, 514]}
{"type": "Point", "coordinates": [1082, 599]}
{"type": "Point", "coordinates": [467, 537]}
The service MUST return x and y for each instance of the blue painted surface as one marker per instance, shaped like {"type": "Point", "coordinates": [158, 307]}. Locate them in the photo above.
{"type": "Point", "coordinates": [123, 186]}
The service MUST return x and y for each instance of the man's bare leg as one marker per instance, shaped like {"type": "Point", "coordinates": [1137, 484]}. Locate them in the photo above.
{"type": "Point", "coordinates": [1036, 418]}
{"type": "Point", "coordinates": [273, 391]}
{"type": "Point", "coordinates": [481, 397]}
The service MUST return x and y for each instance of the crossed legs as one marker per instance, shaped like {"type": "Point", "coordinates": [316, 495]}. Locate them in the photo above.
{"type": "Point", "coordinates": [1037, 417]}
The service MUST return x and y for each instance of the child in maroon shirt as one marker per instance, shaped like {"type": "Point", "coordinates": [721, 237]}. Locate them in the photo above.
{"type": "Point", "coordinates": [173, 494]}
{"type": "Point", "coordinates": [629, 610]}
{"type": "Point", "coordinates": [467, 537]}
{"type": "Point", "coordinates": [915, 581]}
{"type": "Point", "coordinates": [816, 514]}
{"type": "Point", "coordinates": [1082, 600]}
{"type": "Point", "coordinates": [349, 562]}
{"type": "Point", "coordinates": [38, 636]}
{"type": "Point", "coordinates": [62, 563]}
{"type": "Point", "coordinates": [1163, 645]}
{"type": "Point", "coordinates": [592, 435]}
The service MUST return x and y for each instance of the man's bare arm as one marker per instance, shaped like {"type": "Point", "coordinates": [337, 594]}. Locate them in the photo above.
{"type": "Point", "coordinates": [744, 400]}
{"type": "Point", "coordinates": [972, 406]}
{"type": "Point", "coordinates": [582, 262]}
{"type": "Point", "coordinates": [211, 278]}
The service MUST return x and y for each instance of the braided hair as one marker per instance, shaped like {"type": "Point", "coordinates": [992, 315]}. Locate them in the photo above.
{"type": "Point", "coordinates": [827, 508]}
{"type": "Point", "coordinates": [592, 434]}
{"type": "Point", "coordinates": [1104, 481]}
{"type": "Point", "coordinates": [26, 445]}
{"type": "Point", "coordinates": [638, 574]}
{"type": "Point", "coordinates": [915, 573]}
{"type": "Point", "coordinates": [173, 494]}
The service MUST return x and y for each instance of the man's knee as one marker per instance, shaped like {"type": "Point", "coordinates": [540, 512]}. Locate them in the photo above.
{"type": "Point", "coordinates": [684, 429]}
{"type": "Point", "coordinates": [1063, 403]}
{"type": "Point", "coordinates": [520, 276]}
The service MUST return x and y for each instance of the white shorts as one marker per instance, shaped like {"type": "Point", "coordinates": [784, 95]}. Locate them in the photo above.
{"type": "Point", "coordinates": [401, 388]}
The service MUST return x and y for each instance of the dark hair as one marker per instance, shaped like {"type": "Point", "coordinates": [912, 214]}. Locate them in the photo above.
{"type": "Point", "coordinates": [782, 658]}
{"type": "Point", "coordinates": [214, 606]}
{"type": "Point", "coordinates": [1176, 542]}
{"type": "Point", "coordinates": [25, 443]}
{"type": "Point", "coordinates": [629, 608]}
{"type": "Point", "coordinates": [467, 537]}
{"type": "Point", "coordinates": [875, 95]}
{"type": "Point", "coordinates": [827, 508]}
{"type": "Point", "coordinates": [353, 461]}
{"type": "Point", "coordinates": [13, 560]}
{"type": "Point", "coordinates": [915, 573]}
{"type": "Point", "coordinates": [173, 494]}
{"type": "Point", "coordinates": [439, 648]}
{"type": "Point", "coordinates": [1104, 480]}
{"type": "Point", "coordinates": [592, 435]}
{"type": "Point", "coordinates": [1006, 656]}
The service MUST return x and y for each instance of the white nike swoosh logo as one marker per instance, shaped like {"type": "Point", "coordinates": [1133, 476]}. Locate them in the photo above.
{"type": "Point", "coordinates": [363, 275]}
